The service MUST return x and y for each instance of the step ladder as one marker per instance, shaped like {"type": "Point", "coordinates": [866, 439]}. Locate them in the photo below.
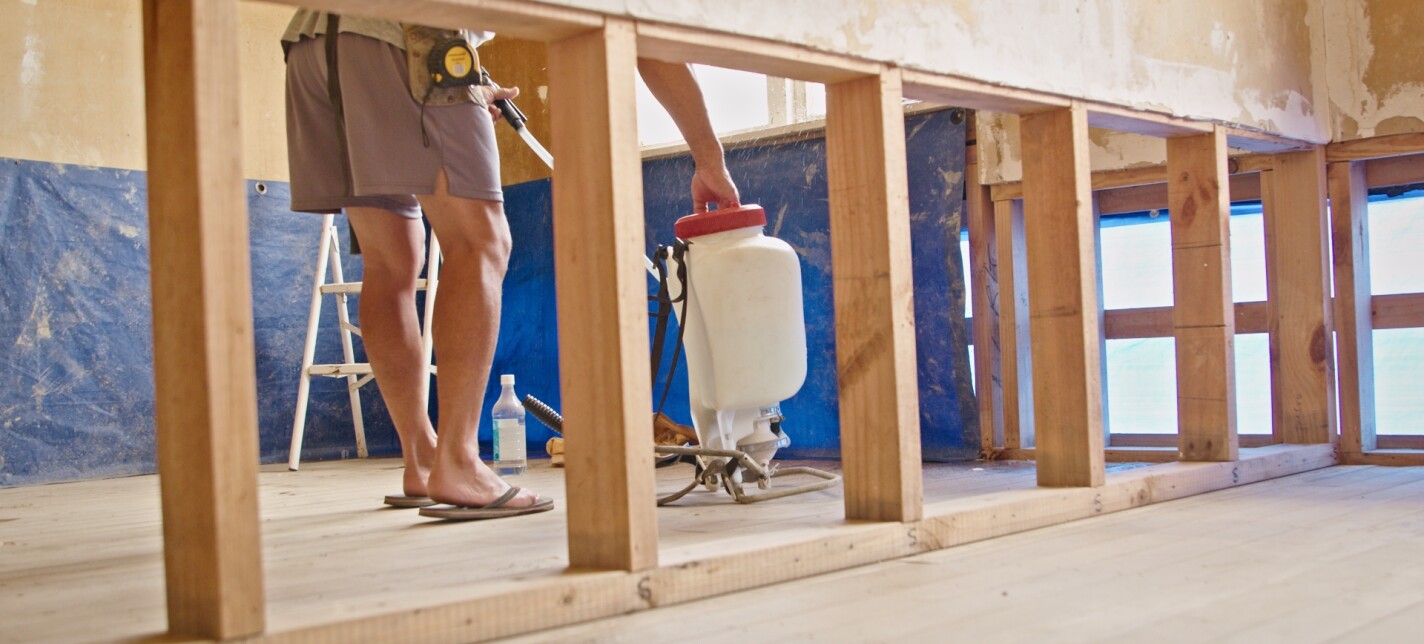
{"type": "Point", "coordinates": [357, 374]}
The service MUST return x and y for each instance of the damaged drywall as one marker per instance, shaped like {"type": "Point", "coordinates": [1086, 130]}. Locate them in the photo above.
{"type": "Point", "coordinates": [1001, 160]}
{"type": "Point", "coordinates": [1247, 63]}
{"type": "Point", "coordinates": [1373, 57]}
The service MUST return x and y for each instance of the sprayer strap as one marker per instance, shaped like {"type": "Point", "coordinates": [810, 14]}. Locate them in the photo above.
{"type": "Point", "coordinates": [678, 253]}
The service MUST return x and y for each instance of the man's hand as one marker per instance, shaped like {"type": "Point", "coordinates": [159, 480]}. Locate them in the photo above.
{"type": "Point", "coordinates": [715, 186]}
{"type": "Point", "coordinates": [493, 94]}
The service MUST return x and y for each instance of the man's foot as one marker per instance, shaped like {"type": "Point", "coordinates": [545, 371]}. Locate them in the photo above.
{"type": "Point", "coordinates": [473, 485]}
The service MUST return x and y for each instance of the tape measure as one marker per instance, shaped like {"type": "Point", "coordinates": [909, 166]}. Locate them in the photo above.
{"type": "Point", "coordinates": [453, 63]}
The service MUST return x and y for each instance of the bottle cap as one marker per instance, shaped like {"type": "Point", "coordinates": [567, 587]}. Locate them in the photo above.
{"type": "Point", "coordinates": [506, 379]}
{"type": "Point", "coordinates": [719, 221]}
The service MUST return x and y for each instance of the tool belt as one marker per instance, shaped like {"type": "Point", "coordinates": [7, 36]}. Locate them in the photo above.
{"type": "Point", "coordinates": [458, 62]}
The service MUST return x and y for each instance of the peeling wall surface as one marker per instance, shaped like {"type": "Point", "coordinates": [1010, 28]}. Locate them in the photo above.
{"type": "Point", "coordinates": [1242, 62]}
{"type": "Point", "coordinates": [1375, 64]}
{"type": "Point", "coordinates": [73, 84]}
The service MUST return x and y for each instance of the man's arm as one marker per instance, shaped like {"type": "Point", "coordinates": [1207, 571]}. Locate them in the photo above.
{"type": "Point", "coordinates": [675, 87]}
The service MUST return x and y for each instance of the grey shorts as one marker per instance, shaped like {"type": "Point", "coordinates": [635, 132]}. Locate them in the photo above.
{"type": "Point", "coordinates": [390, 162]}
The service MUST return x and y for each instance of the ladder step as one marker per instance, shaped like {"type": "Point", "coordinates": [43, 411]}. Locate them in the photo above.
{"type": "Point", "coordinates": [356, 369]}
{"type": "Point", "coordinates": [355, 287]}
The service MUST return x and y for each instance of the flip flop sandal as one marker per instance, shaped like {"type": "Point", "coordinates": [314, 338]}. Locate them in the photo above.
{"type": "Point", "coordinates": [408, 502]}
{"type": "Point", "coordinates": [494, 510]}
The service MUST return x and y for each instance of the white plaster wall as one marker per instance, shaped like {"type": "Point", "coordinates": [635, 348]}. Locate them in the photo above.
{"type": "Point", "coordinates": [72, 82]}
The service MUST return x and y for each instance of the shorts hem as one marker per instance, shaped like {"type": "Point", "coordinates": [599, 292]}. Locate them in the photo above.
{"type": "Point", "coordinates": [418, 191]}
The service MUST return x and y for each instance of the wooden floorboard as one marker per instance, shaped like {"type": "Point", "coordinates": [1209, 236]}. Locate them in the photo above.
{"type": "Point", "coordinates": [342, 568]}
{"type": "Point", "coordinates": [1329, 555]}
{"type": "Point", "coordinates": [331, 551]}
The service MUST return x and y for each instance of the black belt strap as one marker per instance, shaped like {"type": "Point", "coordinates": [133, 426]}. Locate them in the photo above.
{"type": "Point", "coordinates": [333, 90]}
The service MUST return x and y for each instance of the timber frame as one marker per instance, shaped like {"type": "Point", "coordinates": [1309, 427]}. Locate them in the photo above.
{"type": "Point", "coordinates": [206, 422]}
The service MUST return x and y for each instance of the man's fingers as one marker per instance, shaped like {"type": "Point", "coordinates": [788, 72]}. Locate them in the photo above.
{"type": "Point", "coordinates": [500, 93]}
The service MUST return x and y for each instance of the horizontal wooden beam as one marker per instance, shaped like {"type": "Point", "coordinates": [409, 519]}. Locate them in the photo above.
{"type": "Point", "coordinates": [1376, 147]}
{"type": "Point", "coordinates": [690, 45]}
{"type": "Point", "coordinates": [1239, 138]}
{"type": "Point", "coordinates": [1122, 119]}
{"type": "Point", "coordinates": [533, 604]}
{"type": "Point", "coordinates": [1170, 440]}
{"type": "Point", "coordinates": [1408, 441]}
{"type": "Point", "coordinates": [1144, 188]}
{"type": "Point", "coordinates": [978, 95]}
{"type": "Point", "coordinates": [1397, 311]}
{"type": "Point", "coordinates": [1386, 457]}
{"type": "Point", "coordinates": [1156, 322]}
{"type": "Point", "coordinates": [1110, 455]}
{"type": "Point", "coordinates": [1394, 171]}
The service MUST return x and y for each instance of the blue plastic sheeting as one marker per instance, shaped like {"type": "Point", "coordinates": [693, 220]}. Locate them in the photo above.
{"type": "Point", "coordinates": [76, 348]}
{"type": "Point", "coordinates": [789, 181]}
{"type": "Point", "coordinates": [76, 376]}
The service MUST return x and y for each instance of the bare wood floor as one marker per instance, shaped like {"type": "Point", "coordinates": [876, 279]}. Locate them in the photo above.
{"type": "Point", "coordinates": [83, 561]}
{"type": "Point", "coordinates": [1329, 555]}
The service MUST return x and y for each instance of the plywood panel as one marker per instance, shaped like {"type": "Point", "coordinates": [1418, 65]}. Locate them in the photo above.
{"type": "Point", "coordinates": [603, 332]}
{"type": "Point", "coordinates": [202, 320]}
{"type": "Point", "coordinates": [1354, 334]}
{"type": "Point", "coordinates": [1203, 316]}
{"type": "Point", "coordinates": [874, 298]}
{"type": "Point", "coordinates": [1298, 284]}
{"type": "Point", "coordinates": [1063, 289]}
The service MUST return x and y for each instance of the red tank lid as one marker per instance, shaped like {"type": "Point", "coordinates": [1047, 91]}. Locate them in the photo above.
{"type": "Point", "coordinates": [719, 221]}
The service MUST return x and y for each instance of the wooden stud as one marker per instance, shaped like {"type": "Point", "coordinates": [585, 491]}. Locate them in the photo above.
{"type": "Point", "coordinates": [1063, 292]}
{"type": "Point", "coordinates": [1278, 425]}
{"type": "Point", "coordinates": [1298, 283]}
{"type": "Point", "coordinates": [1203, 318]}
{"type": "Point", "coordinates": [1102, 339]}
{"type": "Point", "coordinates": [874, 298]}
{"type": "Point", "coordinates": [603, 331]}
{"type": "Point", "coordinates": [1354, 335]}
{"type": "Point", "coordinates": [1016, 359]}
{"type": "Point", "coordinates": [983, 258]}
{"type": "Point", "coordinates": [206, 408]}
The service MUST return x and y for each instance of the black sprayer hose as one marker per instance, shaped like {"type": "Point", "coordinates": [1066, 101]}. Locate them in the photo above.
{"type": "Point", "coordinates": [544, 413]}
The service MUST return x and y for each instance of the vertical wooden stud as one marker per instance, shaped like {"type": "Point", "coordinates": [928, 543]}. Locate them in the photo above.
{"type": "Point", "coordinates": [1203, 318]}
{"type": "Point", "coordinates": [1354, 329]}
{"type": "Point", "coordinates": [1016, 360]}
{"type": "Point", "coordinates": [601, 290]}
{"type": "Point", "coordinates": [1303, 356]}
{"type": "Point", "coordinates": [1102, 337]}
{"type": "Point", "coordinates": [983, 259]}
{"type": "Point", "coordinates": [206, 408]}
{"type": "Point", "coordinates": [874, 298]}
{"type": "Point", "coordinates": [1273, 331]}
{"type": "Point", "coordinates": [1063, 298]}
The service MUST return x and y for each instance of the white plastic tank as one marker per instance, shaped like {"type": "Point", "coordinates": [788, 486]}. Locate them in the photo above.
{"type": "Point", "coordinates": [745, 331]}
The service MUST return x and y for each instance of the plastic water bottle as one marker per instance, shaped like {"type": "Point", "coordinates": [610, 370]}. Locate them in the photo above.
{"type": "Point", "coordinates": [508, 414]}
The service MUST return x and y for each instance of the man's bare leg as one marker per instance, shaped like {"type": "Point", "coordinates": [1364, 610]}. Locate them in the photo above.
{"type": "Point", "coordinates": [474, 237]}
{"type": "Point", "coordinates": [393, 251]}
